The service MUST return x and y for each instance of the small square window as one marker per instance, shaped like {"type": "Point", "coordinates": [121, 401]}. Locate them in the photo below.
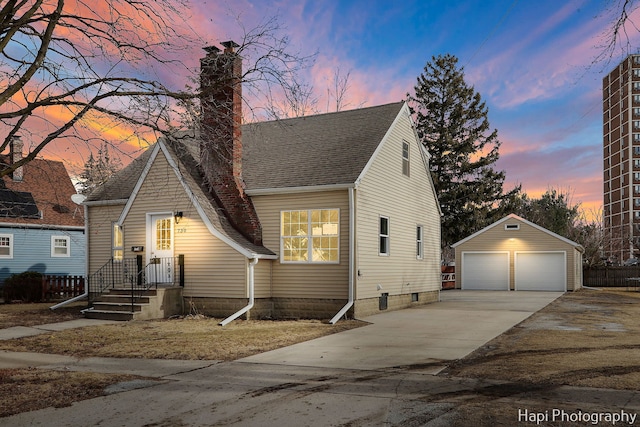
{"type": "Point", "coordinates": [6, 246]}
{"type": "Point", "coordinates": [60, 246]}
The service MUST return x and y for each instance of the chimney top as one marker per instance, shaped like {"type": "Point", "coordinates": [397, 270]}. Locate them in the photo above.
{"type": "Point", "coordinates": [229, 46]}
{"type": "Point", "coordinates": [211, 50]}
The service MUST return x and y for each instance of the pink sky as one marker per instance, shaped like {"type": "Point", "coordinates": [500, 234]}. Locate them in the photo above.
{"type": "Point", "coordinates": [530, 61]}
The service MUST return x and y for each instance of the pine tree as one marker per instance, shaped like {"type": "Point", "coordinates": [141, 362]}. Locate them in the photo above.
{"type": "Point", "coordinates": [97, 171]}
{"type": "Point", "coordinates": [452, 123]}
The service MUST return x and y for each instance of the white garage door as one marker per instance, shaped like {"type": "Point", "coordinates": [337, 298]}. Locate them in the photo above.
{"type": "Point", "coordinates": [485, 271]}
{"type": "Point", "coordinates": [540, 271]}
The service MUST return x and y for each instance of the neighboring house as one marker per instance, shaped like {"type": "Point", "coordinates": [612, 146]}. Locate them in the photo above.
{"type": "Point", "coordinates": [41, 228]}
{"type": "Point", "coordinates": [316, 217]}
{"type": "Point", "coordinates": [516, 254]}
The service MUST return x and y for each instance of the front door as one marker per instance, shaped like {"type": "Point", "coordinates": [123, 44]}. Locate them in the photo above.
{"type": "Point", "coordinates": [160, 254]}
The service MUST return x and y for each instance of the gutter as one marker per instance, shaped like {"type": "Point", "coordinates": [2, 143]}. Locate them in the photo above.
{"type": "Point", "coordinates": [352, 228]}
{"type": "Point", "coordinates": [249, 306]}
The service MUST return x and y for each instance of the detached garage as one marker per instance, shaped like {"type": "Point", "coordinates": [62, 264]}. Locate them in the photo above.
{"type": "Point", "coordinates": [515, 254]}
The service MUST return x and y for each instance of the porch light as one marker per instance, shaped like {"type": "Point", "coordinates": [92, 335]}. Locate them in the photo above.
{"type": "Point", "coordinates": [177, 216]}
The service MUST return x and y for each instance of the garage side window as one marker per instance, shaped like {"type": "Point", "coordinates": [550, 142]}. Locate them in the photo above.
{"type": "Point", "coordinates": [310, 236]}
{"type": "Point", "coordinates": [383, 236]}
{"type": "Point", "coordinates": [6, 245]}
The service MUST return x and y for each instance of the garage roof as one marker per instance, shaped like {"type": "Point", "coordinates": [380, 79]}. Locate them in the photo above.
{"type": "Point", "coordinates": [514, 216]}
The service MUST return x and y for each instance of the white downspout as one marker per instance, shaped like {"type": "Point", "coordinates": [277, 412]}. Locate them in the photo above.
{"type": "Point", "coordinates": [352, 228]}
{"type": "Point", "coordinates": [86, 265]}
{"type": "Point", "coordinates": [249, 306]}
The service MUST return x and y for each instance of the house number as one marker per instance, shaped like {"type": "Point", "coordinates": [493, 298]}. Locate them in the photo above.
{"type": "Point", "coordinates": [181, 230]}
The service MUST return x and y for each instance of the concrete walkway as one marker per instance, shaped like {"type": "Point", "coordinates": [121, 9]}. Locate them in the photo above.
{"type": "Point", "coordinates": [422, 337]}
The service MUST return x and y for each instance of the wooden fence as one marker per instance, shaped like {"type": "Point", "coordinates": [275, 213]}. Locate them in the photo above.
{"type": "Point", "coordinates": [609, 277]}
{"type": "Point", "coordinates": [62, 287]}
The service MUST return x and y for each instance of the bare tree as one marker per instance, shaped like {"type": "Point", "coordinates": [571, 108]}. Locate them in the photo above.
{"type": "Point", "coordinates": [67, 66]}
{"type": "Point", "coordinates": [76, 69]}
{"type": "Point", "coordinates": [617, 39]}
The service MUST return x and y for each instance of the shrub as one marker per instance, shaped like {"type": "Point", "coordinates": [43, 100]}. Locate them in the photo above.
{"type": "Point", "coordinates": [26, 287]}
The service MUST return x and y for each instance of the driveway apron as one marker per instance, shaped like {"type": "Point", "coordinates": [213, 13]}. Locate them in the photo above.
{"type": "Point", "coordinates": [422, 338]}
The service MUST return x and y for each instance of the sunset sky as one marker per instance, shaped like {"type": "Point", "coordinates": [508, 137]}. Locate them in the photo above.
{"type": "Point", "coordinates": [531, 61]}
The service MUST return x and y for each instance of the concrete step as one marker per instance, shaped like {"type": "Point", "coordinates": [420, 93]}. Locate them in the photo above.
{"type": "Point", "coordinates": [123, 299]}
{"type": "Point", "coordinates": [108, 315]}
{"type": "Point", "coordinates": [119, 307]}
{"type": "Point", "coordinates": [125, 292]}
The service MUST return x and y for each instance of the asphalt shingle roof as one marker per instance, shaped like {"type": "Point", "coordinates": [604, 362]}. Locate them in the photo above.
{"type": "Point", "coordinates": [324, 149]}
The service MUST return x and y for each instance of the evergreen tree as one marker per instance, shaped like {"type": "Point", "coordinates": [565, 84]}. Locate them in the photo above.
{"type": "Point", "coordinates": [452, 123]}
{"type": "Point", "coordinates": [97, 171]}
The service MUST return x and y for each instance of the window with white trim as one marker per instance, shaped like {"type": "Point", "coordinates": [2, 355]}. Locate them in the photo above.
{"type": "Point", "coordinates": [60, 246]}
{"type": "Point", "coordinates": [310, 236]}
{"type": "Point", "coordinates": [383, 236]}
{"type": "Point", "coordinates": [419, 243]}
{"type": "Point", "coordinates": [405, 158]}
{"type": "Point", "coordinates": [117, 242]}
{"type": "Point", "coordinates": [6, 245]}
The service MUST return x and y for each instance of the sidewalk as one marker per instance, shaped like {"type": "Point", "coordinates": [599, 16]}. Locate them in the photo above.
{"type": "Point", "coordinates": [29, 331]}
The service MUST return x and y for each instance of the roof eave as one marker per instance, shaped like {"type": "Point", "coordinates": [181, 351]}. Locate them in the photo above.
{"type": "Point", "coordinates": [303, 189]}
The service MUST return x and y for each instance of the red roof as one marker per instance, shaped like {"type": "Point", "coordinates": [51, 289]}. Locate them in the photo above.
{"type": "Point", "coordinates": [51, 188]}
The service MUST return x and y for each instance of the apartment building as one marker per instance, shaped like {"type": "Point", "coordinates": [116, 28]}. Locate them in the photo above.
{"type": "Point", "coordinates": [621, 153]}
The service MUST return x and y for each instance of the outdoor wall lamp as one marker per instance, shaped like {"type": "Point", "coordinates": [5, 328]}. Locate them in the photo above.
{"type": "Point", "coordinates": [177, 216]}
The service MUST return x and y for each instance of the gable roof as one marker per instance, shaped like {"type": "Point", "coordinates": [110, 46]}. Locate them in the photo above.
{"type": "Point", "coordinates": [516, 217]}
{"type": "Point", "coordinates": [320, 150]}
{"type": "Point", "coordinates": [43, 197]}
{"type": "Point", "coordinates": [323, 150]}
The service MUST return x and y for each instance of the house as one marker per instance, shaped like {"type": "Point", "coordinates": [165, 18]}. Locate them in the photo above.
{"type": "Point", "coordinates": [516, 254]}
{"type": "Point", "coordinates": [41, 228]}
{"type": "Point", "coordinates": [315, 217]}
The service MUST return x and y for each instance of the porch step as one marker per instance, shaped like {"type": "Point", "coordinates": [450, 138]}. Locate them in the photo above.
{"type": "Point", "coordinates": [116, 305]}
{"type": "Point", "coordinates": [108, 315]}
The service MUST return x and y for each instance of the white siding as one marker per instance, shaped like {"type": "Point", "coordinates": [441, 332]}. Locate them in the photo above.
{"type": "Point", "coordinates": [305, 280]}
{"type": "Point", "coordinates": [212, 268]}
{"type": "Point", "coordinates": [99, 222]}
{"type": "Point", "coordinates": [408, 201]}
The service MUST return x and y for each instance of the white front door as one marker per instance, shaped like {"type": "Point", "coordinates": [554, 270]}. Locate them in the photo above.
{"type": "Point", "coordinates": [160, 254]}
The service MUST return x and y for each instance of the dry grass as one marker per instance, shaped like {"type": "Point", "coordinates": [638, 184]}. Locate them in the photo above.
{"type": "Point", "coordinates": [182, 339]}
{"type": "Point", "coordinates": [37, 314]}
{"type": "Point", "coordinates": [23, 390]}
{"type": "Point", "coordinates": [587, 338]}
{"type": "Point", "coordinates": [187, 338]}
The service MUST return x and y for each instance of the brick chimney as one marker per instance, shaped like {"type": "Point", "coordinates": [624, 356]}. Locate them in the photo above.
{"type": "Point", "coordinates": [16, 146]}
{"type": "Point", "coordinates": [221, 137]}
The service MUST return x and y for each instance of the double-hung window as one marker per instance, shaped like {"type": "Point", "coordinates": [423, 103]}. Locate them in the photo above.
{"type": "Point", "coordinates": [405, 158]}
{"type": "Point", "coordinates": [310, 236]}
{"type": "Point", "coordinates": [6, 245]}
{"type": "Point", "coordinates": [383, 236]}
{"type": "Point", "coordinates": [117, 242]}
{"type": "Point", "coordinates": [60, 246]}
{"type": "Point", "coordinates": [419, 243]}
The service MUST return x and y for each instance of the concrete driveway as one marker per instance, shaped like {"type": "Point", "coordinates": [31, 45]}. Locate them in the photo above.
{"type": "Point", "coordinates": [422, 338]}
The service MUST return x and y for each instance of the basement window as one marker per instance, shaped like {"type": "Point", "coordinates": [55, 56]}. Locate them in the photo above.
{"type": "Point", "coordinates": [512, 226]}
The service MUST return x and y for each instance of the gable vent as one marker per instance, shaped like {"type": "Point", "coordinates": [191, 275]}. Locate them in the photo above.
{"type": "Point", "coordinates": [512, 226]}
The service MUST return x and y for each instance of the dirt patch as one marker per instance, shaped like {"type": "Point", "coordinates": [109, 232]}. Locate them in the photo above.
{"type": "Point", "coordinates": [586, 338]}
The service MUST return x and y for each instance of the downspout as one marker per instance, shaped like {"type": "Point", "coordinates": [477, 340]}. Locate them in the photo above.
{"type": "Point", "coordinates": [86, 266]}
{"type": "Point", "coordinates": [249, 306]}
{"type": "Point", "coordinates": [352, 228]}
